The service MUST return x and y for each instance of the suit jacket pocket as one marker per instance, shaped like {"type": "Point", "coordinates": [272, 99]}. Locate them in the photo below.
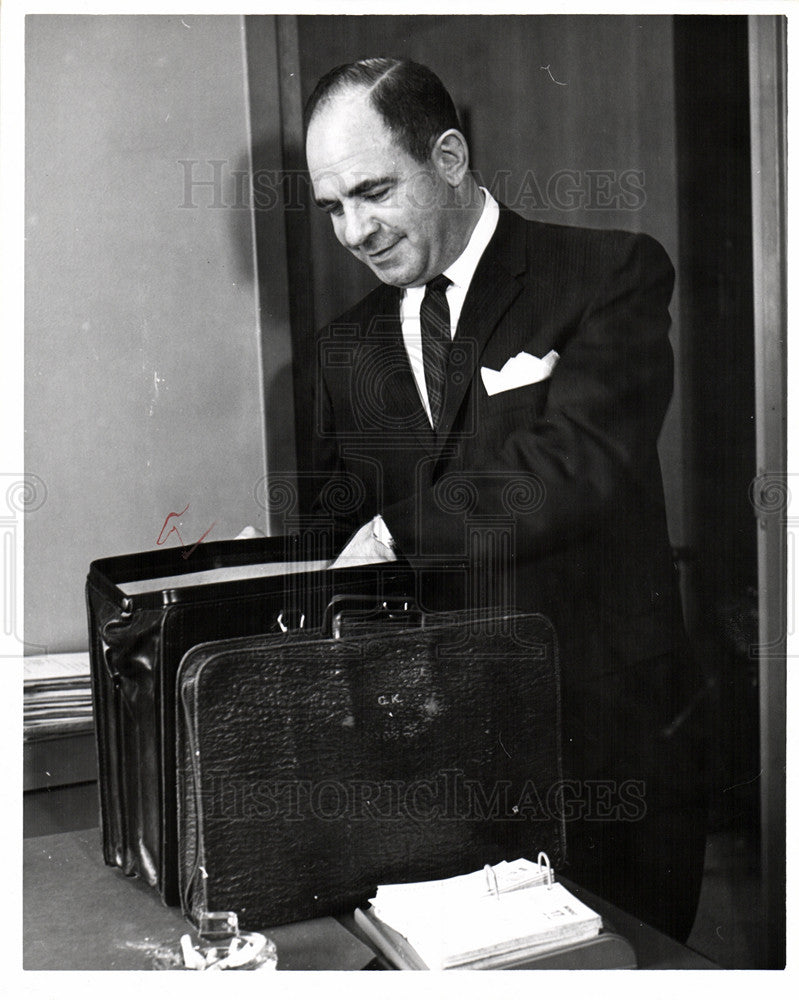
{"type": "Point", "coordinates": [531, 397]}
{"type": "Point", "coordinates": [515, 409]}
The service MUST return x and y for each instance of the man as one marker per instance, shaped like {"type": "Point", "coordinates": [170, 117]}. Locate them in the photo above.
{"type": "Point", "coordinates": [497, 398]}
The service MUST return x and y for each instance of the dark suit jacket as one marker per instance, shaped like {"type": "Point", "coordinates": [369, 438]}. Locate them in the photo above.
{"type": "Point", "coordinates": [552, 495]}
{"type": "Point", "coordinates": [551, 492]}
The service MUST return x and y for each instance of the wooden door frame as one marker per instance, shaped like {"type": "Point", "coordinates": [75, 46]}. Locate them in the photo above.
{"type": "Point", "coordinates": [770, 494]}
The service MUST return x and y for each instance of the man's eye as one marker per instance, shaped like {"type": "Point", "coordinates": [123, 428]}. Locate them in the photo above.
{"type": "Point", "coordinates": [378, 194]}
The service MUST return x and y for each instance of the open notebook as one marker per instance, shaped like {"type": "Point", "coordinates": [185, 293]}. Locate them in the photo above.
{"type": "Point", "coordinates": [487, 919]}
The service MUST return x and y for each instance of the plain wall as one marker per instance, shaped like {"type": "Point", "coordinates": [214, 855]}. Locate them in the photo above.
{"type": "Point", "coordinates": [143, 378]}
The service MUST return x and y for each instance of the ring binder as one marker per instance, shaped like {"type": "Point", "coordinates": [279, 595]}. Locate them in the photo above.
{"type": "Point", "coordinates": [454, 923]}
{"type": "Point", "coordinates": [545, 864]}
{"type": "Point", "coordinates": [490, 873]}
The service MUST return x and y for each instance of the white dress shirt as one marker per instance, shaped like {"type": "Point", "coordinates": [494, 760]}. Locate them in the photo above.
{"type": "Point", "coordinates": [460, 273]}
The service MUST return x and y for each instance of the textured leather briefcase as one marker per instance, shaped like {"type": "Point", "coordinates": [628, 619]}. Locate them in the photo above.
{"type": "Point", "coordinates": [315, 768]}
{"type": "Point", "coordinates": [145, 611]}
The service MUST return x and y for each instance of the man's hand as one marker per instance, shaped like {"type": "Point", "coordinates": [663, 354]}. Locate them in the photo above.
{"type": "Point", "coordinates": [364, 547]}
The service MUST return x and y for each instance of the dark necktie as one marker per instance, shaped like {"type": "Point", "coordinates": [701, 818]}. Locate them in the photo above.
{"type": "Point", "coordinates": [436, 342]}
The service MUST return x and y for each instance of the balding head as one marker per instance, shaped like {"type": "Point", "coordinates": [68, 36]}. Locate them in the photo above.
{"type": "Point", "coordinates": [411, 100]}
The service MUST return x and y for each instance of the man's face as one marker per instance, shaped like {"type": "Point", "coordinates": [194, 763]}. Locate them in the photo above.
{"type": "Point", "coordinates": [387, 209]}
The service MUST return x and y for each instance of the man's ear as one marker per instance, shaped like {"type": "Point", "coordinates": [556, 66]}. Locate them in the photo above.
{"type": "Point", "coordinates": [450, 156]}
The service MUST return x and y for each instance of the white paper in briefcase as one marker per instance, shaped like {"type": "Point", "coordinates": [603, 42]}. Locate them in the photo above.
{"type": "Point", "coordinates": [523, 369]}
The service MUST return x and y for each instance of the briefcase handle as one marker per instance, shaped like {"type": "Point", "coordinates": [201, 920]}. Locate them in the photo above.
{"type": "Point", "coordinates": [359, 612]}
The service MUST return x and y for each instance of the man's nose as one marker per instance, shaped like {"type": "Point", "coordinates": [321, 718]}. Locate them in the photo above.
{"type": "Point", "coordinates": [359, 225]}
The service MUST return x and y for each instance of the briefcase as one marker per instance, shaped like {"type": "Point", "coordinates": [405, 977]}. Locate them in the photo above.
{"type": "Point", "coordinates": [313, 768]}
{"type": "Point", "coordinates": [145, 611]}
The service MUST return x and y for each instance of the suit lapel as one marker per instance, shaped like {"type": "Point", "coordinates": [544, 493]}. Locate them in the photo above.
{"type": "Point", "coordinates": [494, 287]}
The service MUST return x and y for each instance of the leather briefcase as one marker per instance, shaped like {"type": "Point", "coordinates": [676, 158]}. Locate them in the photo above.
{"type": "Point", "coordinates": [314, 768]}
{"type": "Point", "coordinates": [145, 611]}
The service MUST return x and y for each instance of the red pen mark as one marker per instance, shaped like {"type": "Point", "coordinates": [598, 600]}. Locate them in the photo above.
{"type": "Point", "coordinates": [187, 554]}
{"type": "Point", "coordinates": [160, 540]}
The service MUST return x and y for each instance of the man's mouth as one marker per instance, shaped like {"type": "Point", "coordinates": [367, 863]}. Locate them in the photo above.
{"type": "Point", "coordinates": [378, 255]}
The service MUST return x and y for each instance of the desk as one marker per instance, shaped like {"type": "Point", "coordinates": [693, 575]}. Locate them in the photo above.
{"type": "Point", "coordinates": [80, 914]}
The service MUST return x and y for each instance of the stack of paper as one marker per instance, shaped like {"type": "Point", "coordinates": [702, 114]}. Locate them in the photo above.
{"type": "Point", "coordinates": [58, 695]}
{"type": "Point", "coordinates": [473, 921]}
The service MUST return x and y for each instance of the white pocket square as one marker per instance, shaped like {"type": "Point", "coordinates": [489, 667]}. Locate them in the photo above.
{"type": "Point", "coordinates": [524, 369]}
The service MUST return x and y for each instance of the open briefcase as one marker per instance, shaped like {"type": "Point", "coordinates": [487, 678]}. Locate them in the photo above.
{"type": "Point", "coordinates": [385, 746]}
{"type": "Point", "coordinates": [145, 611]}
